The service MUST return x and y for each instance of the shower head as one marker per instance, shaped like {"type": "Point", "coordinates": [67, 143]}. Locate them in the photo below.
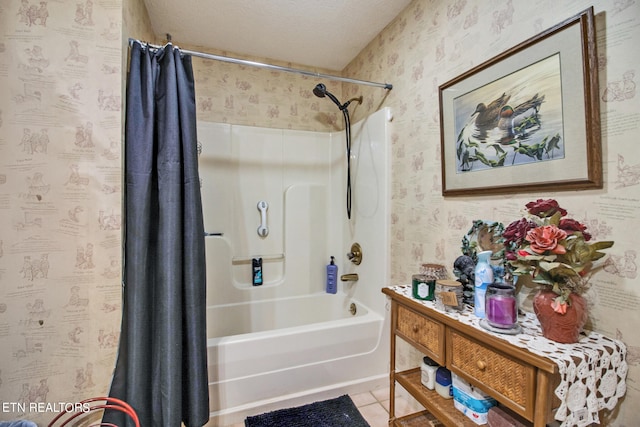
{"type": "Point", "coordinates": [321, 91]}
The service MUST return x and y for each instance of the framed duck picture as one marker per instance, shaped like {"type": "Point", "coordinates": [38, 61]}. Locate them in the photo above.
{"type": "Point", "coordinates": [527, 119]}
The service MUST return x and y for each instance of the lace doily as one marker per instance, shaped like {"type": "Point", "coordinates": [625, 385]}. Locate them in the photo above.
{"type": "Point", "coordinates": [593, 371]}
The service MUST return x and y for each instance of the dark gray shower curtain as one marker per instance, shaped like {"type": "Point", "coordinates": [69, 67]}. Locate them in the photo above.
{"type": "Point", "coordinates": [161, 368]}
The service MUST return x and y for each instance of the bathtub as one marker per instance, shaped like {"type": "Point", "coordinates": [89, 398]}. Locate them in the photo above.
{"type": "Point", "coordinates": [278, 353]}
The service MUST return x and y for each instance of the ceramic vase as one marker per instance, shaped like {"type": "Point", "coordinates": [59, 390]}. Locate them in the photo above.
{"type": "Point", "coordinates": [563, 328]}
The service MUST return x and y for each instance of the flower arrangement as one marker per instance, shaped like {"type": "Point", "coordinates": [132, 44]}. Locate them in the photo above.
{"type": "Point", "coordinates": [553, 250]}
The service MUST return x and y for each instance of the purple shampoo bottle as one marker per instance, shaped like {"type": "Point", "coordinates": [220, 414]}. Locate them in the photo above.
{"type": "Point", "coordinates": [332, 277]}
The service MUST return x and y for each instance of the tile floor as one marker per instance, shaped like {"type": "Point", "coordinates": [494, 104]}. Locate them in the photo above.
{"type": "Point", "coordinates": [374, 406]}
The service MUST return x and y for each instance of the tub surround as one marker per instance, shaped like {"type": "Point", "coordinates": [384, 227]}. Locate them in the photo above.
{"type": "Point", "coordinates": [289, 340]}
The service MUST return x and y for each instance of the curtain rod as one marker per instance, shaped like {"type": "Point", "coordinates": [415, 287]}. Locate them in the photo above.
{"type": "Point", "coordinates": [387, 86]}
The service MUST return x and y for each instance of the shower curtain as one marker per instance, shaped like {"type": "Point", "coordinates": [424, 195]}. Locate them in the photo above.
{"type": "Point", "coordinates": [161, 368]}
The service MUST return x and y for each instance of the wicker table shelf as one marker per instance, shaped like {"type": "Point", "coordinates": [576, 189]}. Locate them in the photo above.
{"type": "Point", "coordinates": [419, 419]}
{"type": "Point", "coordinates": [441, 408]}
{"type": "Point", "coordinates": [515, 377]}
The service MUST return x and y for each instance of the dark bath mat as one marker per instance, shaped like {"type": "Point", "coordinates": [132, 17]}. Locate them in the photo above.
{"type": "Point", "coordinates": [338, 412]}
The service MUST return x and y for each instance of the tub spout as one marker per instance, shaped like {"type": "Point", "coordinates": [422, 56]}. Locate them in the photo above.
{"type": "Point", "coordinates": [352, 277]}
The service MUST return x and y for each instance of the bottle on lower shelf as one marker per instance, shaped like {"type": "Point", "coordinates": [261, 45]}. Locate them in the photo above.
{"type": "Point", "coordinates": [443, 383]}
{"type": "Point", "coordinates": [428, 376]}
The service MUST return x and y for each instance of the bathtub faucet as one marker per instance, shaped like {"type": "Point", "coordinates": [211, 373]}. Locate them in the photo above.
{"type": "Point", "coordinates": [352, 277]}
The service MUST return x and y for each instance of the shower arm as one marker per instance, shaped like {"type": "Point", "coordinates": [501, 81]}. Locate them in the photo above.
{"type": "Point", "coordinates": [344, 106]}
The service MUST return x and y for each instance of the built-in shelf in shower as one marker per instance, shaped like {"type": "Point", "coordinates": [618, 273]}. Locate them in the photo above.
{"type": "Point", "coordinates": [247, 260]}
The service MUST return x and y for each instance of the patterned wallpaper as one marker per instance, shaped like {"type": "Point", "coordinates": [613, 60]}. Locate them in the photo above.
{"type": "Point", "coordinates": [60, 180]}
{"type": "Point", "coordinates": [238, 94]}
{"type": "Point", "coordinates": [60, 192]}
{"type": "Point", "coordinates": [434, 41]}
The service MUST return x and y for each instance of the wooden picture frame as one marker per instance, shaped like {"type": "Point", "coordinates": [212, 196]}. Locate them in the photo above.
{"type": "Point", "coordinates": [528, 119]}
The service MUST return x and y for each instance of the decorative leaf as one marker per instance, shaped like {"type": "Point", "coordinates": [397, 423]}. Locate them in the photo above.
{"type": "Point", "coordinates": [601, 245]}
{"type": "Point", "coordinates": [555, 219]}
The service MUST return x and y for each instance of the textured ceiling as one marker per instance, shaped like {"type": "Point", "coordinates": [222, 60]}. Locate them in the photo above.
{"type": "Point", "coordinates": [318, 33]}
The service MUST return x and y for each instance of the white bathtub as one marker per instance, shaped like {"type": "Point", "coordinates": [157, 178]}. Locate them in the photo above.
{"type": "Point", "coordinates": [273, 353]}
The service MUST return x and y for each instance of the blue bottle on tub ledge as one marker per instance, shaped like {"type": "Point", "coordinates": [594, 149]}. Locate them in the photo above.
{"type": "Point", "coordinates": [483, 278]}
{"type": "Point", "coordinates": [332, 277]}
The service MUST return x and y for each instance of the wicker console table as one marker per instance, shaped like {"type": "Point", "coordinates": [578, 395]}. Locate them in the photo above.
{"type": "Point", "coordinates": [506, 369]}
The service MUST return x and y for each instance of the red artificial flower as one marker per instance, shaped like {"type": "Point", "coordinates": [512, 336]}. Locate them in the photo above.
{"type": "Point", "coordinates": [570, 225]}
{"type": "Point", "coordinates": [517, 231]}
{"type": "Point", "coordinates": [546, 239]}
{"type": "Point", "coordinates": [545, 208]}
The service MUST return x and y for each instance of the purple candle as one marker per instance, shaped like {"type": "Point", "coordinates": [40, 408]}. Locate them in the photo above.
{"type": "Point", "coordinates": [502, 311]}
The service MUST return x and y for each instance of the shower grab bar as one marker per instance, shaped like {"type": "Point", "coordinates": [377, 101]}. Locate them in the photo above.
{"type": "Point", "coordinates": [263, 230]}
{"type": "Point", "coordinates": [219, 234]}
{"type": "Point", "coordinates": [247, 260]}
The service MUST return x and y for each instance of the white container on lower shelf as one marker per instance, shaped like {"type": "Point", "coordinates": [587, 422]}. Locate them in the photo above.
{"type": "Point", "coordinates": [471, 401]}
